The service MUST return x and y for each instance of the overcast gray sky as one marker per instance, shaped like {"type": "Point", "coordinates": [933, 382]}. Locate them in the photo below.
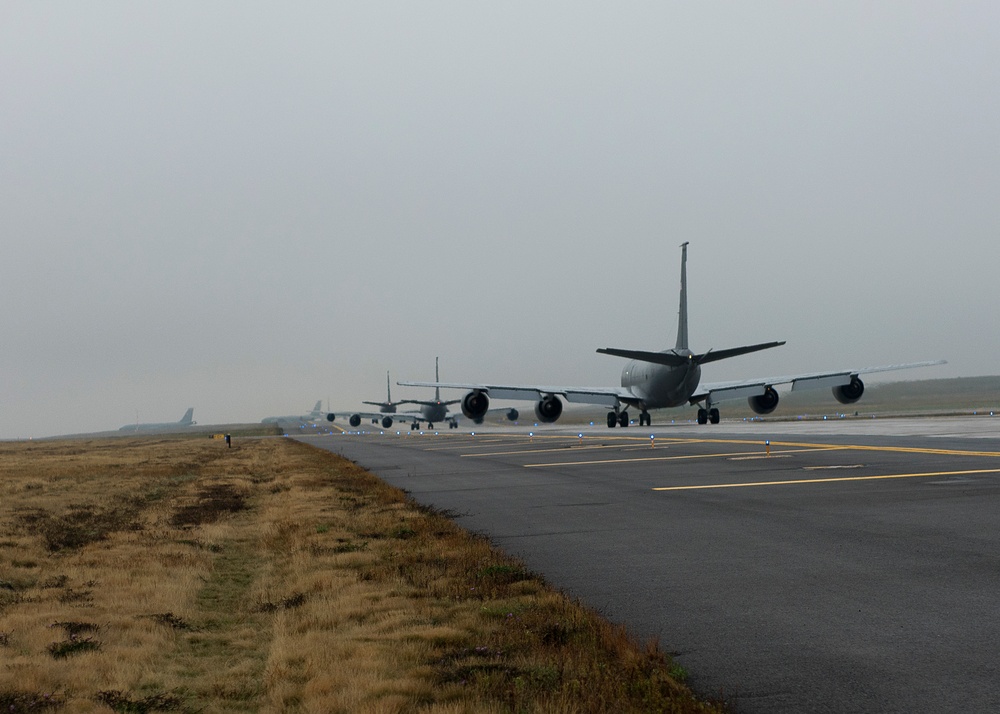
{"type": "Point", "coordinates": [245, 207]}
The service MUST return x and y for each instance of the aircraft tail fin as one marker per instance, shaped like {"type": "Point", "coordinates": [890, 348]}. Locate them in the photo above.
{"type": "Point", "coordinates": [388, 391]}
{"type": "Point", "coordinates": [186, 419]}
{"type": "Point", "coordinates": [682, 312]}
{"type": "Point", "coordinates": [319, 407]}
{"type": "Point", "coordinates": [437, 378]}
{"type": "Point", "coordinates": [681, 354]}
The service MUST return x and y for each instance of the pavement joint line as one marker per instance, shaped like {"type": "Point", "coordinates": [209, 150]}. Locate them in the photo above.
{"type": "Point", "coordinates": [833, 468]}
{"type": "Point", "coordinates": [471, 444]}
{"type": "Point", "coordinates": [799, 482]}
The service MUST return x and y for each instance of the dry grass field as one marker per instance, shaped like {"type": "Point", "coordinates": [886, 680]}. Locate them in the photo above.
{"type": "Point", "coordinates": [173, 574]}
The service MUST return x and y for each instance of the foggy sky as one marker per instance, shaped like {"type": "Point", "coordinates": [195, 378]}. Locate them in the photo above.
{"type": "Point", "coordinates": [245, 207]}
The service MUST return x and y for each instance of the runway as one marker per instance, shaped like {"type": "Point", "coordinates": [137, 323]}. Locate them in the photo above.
{"type": "Point", "coordinates": [839, 566]}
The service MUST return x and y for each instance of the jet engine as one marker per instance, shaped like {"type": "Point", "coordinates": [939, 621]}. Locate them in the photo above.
{"type": "Point", "coordinates": [386, 422]}
{"type": "Point", "coordinates": [355, 420]}
{"type": "Point", "coordinates": [548, 409]}
{"type": "Point", "coordinates": [474, 405]}
{"type": "Point", "coordinates": [330, 417]}
{"type": "Point", "coordinates": [849, 393]}
{"type": "Point", "coordinates": [764, 403]}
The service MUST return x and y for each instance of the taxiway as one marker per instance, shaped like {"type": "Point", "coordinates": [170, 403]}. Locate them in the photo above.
{"type": "Point", "coordinates": [844, 566]}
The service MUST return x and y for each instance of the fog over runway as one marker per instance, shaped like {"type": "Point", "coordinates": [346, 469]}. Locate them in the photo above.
{"type": "Point", "coordinates": [845, 566]}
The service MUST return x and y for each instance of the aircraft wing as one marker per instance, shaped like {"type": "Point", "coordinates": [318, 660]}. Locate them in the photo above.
{"type": "Point", "coordinates": [348, 413]}
{"type": "Point", "coordinates": [428, 402]}
{"type": "Point", "coordinates": [719, 391]}
{"type": "Point", "coordinates": [609, 397]}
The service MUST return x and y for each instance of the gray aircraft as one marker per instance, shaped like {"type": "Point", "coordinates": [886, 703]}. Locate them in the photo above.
{"type": "Point", "coordinates": [435, 410]}
{"type": "Point", "coordinates": [388, 406]}
{"type": "Point", "coordinates": [669, 378]}
{"type": "Point", "coordinates": [315, 415]}
{"type": "Point", "coordinates": [430, 411]}
{"type": "Point", "coordinates": [385, 410]}
{"type": "Point", "coordinates": [164, 426]}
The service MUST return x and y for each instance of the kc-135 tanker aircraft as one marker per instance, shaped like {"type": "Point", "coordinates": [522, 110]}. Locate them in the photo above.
{"type": "Point", "coordinates": [186, 420]}
{"type": "Point", "coordinates": [315, 415]}
{"type": "Point", "coordinates": [385, 410]}
{"type": "Point", "coordinates": [431, 411]}
{"type": "Point", "coordinates": [670, 378]}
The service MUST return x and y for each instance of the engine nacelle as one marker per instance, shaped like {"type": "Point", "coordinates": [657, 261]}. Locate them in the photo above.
{"type": "Point", "coordinates": [512, 415]}
{"type": "Point", "coordinates": [548, 409]}
{"type": "Point", "coordinates": [764, 403]}
{"type": "Point", "coordinates": [849, 393]}
{"type": "Point", "coordinates": [386, 422]}
{"type": "Point", "coordinates": [355, 420]}
{"type": "Point", "coordinates": [474, 405]}
{"type": "Point", "coordinates": [331, 417]}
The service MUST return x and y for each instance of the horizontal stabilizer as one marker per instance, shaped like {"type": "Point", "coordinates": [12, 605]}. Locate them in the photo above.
{"type": "Point", "coordinates": [672, 359]}
{"type": "Point", "coordinates": [716, 355]}
{"type": "Point", "coordinates": [434, 403]}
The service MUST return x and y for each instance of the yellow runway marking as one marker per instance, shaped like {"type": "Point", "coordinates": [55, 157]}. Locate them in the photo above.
{"type": "Point", "coordinates": [792, 447]}
{"type": "Point", "coordinates": [681, 457]}
{"type": "Point", "coordinates": [857, 447]}
{"type": "Point", "coordinates": [512, 440]}
{"type": "Point", "coordinates": [826, 480]}
{"type": "Point", "coordinates": [564, 449]}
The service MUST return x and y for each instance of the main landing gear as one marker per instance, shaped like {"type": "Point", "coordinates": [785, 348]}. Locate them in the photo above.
{"type": "Point", "coordinates": [708, 415]}
{"type": "Point", "coordinates": [622, 419]}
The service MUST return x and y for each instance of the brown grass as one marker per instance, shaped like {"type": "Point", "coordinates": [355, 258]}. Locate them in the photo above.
{"type": "Point", "coordinates": [146, 574]}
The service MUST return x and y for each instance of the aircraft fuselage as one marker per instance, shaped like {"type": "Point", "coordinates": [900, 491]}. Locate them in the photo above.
{"type": "Point", "coordinates": [657, 386]}
{"type": "Point", "coordinates": [433, 411]}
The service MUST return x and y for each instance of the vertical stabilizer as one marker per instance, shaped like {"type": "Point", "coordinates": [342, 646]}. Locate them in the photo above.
{"type": "Point", "coordinates": [388, 391]}
{"type": "Point", "coordinates": [682, 312]}
{"type": "Point", "coordinates": [437, 378]}
{"type": "Point", "coordinates": [188, 415]}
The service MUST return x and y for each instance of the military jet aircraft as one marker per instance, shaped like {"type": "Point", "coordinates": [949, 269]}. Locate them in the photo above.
{"type": "Point", "coordinates": [163, 426]}
{"type": "Point", "coordinates": [315, 415]}
{"type": "Point", "coordinates": [669, 378]}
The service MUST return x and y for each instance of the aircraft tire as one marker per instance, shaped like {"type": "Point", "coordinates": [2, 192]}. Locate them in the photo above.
{"type": "Point", "coordinates": [713, 415]}
{"type": "Point", "coordinates": [612, 420]}
{"type": "Point", "coordinates": [703, 416]}
{"type": "Point", "coordinates": [623, 419]}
